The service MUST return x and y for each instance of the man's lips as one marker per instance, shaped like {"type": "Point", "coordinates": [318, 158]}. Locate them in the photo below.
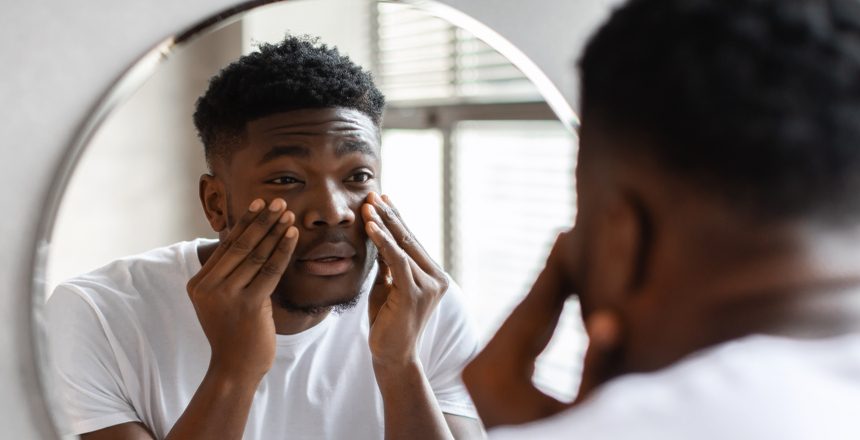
{"type": "Point", "coordinates": [326, 267]}
{"type": "Point", "coordinates": [328, 259]}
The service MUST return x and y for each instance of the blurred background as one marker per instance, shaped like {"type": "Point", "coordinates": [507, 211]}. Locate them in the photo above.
{"type": "Point", "coordinates": [477, 162]}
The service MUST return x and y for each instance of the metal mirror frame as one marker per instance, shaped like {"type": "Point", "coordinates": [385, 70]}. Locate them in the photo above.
{"type": "Point", "coordinates": [133, 78]}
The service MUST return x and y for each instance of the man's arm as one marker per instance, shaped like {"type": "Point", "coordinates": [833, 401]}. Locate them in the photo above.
{"type": "Point", "coordinates": [411, 410]}
{"type": "Point", "coordinates": [500, 377]}
{"type": "Point", "coordinates": [231, 295]}
{"type": "Point", "coordinates": [219, 409]}
{"type": "Point", "coordinates": [408, 289]}
{"type": "Point", "coordinates": [465, 427]}
{"type": "Point", "coordinates": [125, 431]}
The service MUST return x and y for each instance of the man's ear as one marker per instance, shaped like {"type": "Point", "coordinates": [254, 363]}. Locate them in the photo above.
{"type": "Point", "coordinates": [213, 196]}
{"type": "Point", "coordinates": [620, 250]}
{"type": "Point", "coordinates": [618, 257]}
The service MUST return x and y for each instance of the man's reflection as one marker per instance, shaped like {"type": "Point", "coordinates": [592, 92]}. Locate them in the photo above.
{"type": "Point", "coordinates": [316, 314]}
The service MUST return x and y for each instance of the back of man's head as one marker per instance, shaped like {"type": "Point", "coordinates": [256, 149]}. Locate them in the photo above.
{"type": "Point", "coordinates": [754, 101]}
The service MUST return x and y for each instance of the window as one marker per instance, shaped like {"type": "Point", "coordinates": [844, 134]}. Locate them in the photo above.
{"type": "Point", "coordinates": [487, 198]}
{"type": "Point", "coordinates": [422, 58]}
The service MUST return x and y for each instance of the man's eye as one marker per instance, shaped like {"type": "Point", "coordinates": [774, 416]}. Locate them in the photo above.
{"type": "Point", "coordinates": [360, 177]}
{"type": "Point", "coordinates": [284, 180]}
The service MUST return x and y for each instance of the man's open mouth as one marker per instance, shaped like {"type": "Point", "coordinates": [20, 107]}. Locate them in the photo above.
{"type": "Point", "coordinates": [326, 267]}
{"type": "Point", "coordinates": [328, 259]}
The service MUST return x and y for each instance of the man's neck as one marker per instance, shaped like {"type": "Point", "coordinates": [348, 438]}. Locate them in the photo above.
{"type": "Point", "coordinates": [812, 290]}
{"type": "Point", "coordinates": [828, 311]}
{"type": "Point", "coordinates": [287, 322]}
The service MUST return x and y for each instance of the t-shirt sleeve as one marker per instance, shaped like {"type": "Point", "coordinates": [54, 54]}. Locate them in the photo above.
{"type": "Point", "coordinates": [87, 379]}
{"type": "Point", "coordinates": [453, 343]}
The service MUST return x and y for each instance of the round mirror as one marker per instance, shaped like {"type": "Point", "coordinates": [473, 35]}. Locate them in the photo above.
{"type": "Point", "coordinates": [478, 153]}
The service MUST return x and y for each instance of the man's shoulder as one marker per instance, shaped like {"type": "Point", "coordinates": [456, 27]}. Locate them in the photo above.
{"type": "Point", "coordinates": [153, 275]}
{"type": "Point", "coordinates": [747, 373]}
{"type": "Point", "coordinates": [451, 314]}
{"type": "Point", "coordinates": [450, 332]}
{"type": "Point", "coordinates": [739, 389]}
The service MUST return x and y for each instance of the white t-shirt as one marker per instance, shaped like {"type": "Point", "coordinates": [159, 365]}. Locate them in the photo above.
{"type": "Point", "coordinates": [127, 346]}
{"type": "Point", "coordinates": [755, 388]}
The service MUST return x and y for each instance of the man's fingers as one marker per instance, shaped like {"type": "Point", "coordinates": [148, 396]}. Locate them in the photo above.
{"type": "Point", "coordinates": [379, 292]}
{"type": "Point", "coordinates": [383, 275]}
{"type": "Point", "coordinates": [394, 256]}
{"type": "Point", "coordinates": [381, 210]}
{"type": "Point", "coordinates": [238, 249]}
{"type": "Point", "coordinates": [248, 268]}
{"type": "Point", "coordinates": [269, 274]}
{"type": "Point", "coordinates": [565, 257]}
{"type": "Point", "coordinates": [601, 363]}
{"type": "Point", "coordinates": [246, 219]}
{"type": "Point", "coordinates": [529, 328]}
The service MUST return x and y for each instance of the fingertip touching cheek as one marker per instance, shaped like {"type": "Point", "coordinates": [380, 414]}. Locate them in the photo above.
{"type": "Point", "coordinates": [323, 163]}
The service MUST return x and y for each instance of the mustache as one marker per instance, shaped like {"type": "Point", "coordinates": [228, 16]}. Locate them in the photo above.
{"type": "Point", "coordinates": [329, 236]}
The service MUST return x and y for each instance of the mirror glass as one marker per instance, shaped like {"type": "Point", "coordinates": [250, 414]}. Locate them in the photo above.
{"type": "Point", "coordinates": [478, 163]}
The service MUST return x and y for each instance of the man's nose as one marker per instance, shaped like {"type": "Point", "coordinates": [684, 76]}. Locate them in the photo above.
{"type": "Point", "coordinates": [328, 206]}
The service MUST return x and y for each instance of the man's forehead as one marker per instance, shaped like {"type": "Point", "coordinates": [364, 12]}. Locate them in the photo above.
{"type": "Point", "coordinates": [304, 134]}
{"type": "Point", "coordinates": [336, 121]}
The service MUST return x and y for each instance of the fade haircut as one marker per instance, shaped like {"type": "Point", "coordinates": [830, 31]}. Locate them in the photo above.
{"type": "Point", "coordinates": [296, 73]}
{"type": "Point", "coordinates": [756, 101]}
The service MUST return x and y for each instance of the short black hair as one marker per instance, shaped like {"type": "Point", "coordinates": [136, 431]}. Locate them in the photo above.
{"type": "Point", "coordinates": [297, 73]}
{"type": "Point", "coordinates": [755, 100]}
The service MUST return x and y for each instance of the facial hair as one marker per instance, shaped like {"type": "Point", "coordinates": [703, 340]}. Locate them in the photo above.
{"type": "Point", "coordinates": [337, 306]}
{"type": "Point", "coordinates": [281, 297]}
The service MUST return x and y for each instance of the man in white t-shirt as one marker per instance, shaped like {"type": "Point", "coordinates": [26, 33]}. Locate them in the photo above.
{"type": "Point", "coordinates": [287, 326]}
{"type": "Point", "coordinates": [716, 252]}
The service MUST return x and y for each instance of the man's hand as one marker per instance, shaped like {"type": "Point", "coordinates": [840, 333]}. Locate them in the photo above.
{"type": "Point", "coordinates": [500, 377]}
{"type": "Point", "coordinates": [231, 293]}
{"type": "Point", "coordinates": [408, 287]}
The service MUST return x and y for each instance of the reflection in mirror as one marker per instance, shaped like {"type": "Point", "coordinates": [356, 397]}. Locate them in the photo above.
{"type": "Point", "coordinates": [480, 169]}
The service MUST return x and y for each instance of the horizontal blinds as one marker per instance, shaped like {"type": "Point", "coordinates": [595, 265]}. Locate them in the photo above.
{"type": "Point", "coordinates": [513, 193]}
{"type": "Point", "coordinates": [421, 58]}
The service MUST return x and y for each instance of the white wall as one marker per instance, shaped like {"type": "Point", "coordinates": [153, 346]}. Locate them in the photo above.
{"type": "Point", "coordinates": [348, 29]}
{"type": "Point", "coordinates": [135, 188]}
{"type": "Point", "coordinates": [59, 58]}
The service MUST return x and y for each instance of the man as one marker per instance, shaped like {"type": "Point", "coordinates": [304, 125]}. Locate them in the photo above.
{"type": "Point", "coordinates": [285, 327]}
{"type": "Point", "coordinates": [716, 252]}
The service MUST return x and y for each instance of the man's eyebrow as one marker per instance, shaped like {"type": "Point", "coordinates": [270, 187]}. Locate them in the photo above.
{"type": "Point", "coordinates": [354, 146]}
{"type": "Point", "coordinates": [284, 150]}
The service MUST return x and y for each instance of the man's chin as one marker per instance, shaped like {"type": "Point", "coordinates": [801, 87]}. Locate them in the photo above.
{"type": "Point", "coordinates": [337, 305]}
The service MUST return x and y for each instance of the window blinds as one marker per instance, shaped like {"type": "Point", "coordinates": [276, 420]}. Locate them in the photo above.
{"type": "Point", "coordinates": [422, 58]}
